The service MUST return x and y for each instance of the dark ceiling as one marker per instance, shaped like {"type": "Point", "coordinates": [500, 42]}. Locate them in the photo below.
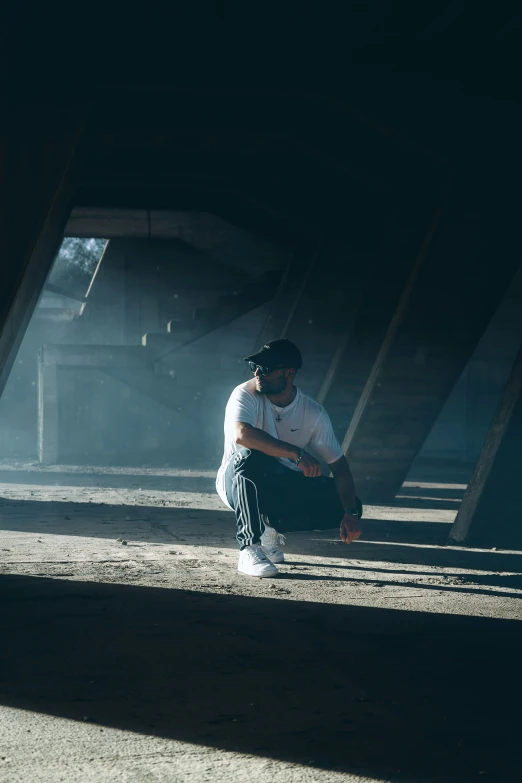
{"type": "Point", "coordinates": [296, 120]}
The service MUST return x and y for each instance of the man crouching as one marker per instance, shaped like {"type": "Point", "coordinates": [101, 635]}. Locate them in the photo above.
{"type": "Point", "coordinates": [270, 475]}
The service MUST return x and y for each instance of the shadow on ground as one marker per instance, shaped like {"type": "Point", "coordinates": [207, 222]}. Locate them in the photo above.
{"type": "Point", "coordinates": [411, 542]}
{"type": "Point", "coordinates": [351, 571]}
{"type": "Point", "coordinates": [389, 694]}
{"type": "Point", "coordinates": [131, 481]}
{"type": "Point", "coordinates": [155, 524]}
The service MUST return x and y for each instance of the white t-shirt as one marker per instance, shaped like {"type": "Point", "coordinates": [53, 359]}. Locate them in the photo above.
{"type": "Point", "coordinates": [304, 423]}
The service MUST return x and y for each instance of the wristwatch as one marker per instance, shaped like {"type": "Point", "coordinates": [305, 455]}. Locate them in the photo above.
{"type": "Point", "coordinates": [354, 512]}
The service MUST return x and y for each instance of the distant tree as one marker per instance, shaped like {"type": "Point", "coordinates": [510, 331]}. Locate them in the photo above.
{"type": "Point", "coordinates": [75, 264]}
{"type": "Point", "coordinates": [79, 253]}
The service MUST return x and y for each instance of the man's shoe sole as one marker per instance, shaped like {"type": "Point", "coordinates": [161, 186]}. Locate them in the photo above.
{"type": "Point", "coordinates": [259, 576]}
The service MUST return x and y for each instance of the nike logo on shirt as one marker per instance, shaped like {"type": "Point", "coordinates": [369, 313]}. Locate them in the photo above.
{"type": "Point", "coordinates": [294, 430]}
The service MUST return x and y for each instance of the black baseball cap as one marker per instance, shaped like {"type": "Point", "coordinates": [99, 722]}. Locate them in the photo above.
{"type": "Point", "coordinates": [278, 352]}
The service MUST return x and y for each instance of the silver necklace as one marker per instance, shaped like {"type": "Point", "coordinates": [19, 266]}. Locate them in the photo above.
{"type": "Point", "coordinates": [282, 409]}
{"type": "Point", "coordinates": [279, 412]}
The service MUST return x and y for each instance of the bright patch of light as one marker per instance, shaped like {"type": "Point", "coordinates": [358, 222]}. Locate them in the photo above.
{"type": "Point", "coordinates": [64, 749]}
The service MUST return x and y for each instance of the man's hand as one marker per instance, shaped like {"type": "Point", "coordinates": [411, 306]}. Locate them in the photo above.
{"type": "Point", "coordinates": [350, 529]}
{"type": "Point", "coordinates": [310, 466]}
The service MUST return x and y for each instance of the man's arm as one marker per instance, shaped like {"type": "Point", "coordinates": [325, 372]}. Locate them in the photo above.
{"type": "Point", "coordinates": [344, 482]}
{"type": "Point", "coordinates": [254, 438]}
{"type": "Point", "coordinates": [350, 526]}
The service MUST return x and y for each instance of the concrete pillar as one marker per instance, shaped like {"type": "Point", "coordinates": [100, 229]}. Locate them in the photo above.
{"type": "Point", "coordinates": [37, 146]}
{"type": "Point", "coordinates": [47, 409]}
{"type": "Point", "coordinates": [336, 301]}
{"type": "Point", "coordinates": [290, 291]}
{"type": "Point", "coordinates": [324, 315]}
{"type": "Point", "coordinates": [349, 323]}
{"type": "Point", "coordinates": [463, 270]}
{"type": "Point", "coordinates": [317, 303]}
{"type": "Point", "coordinates": [490, 510]}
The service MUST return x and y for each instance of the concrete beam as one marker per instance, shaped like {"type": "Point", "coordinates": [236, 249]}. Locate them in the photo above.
{"type": "Point", "coordinates": [36, 186]}
{"type": "Point", "coordinates": [323, 302]}
{"type": "Point", "coordinates": [325, 312]}
{"type": "Point", "coordinates": [288, 295]}
{"type": "Point", "coordinates": [374, 283]}
{"type": "Point", "coordinates": [208, 319]}
{"type": "Point", "coordinates": [462, 272]}
{"type": "Point", "coordinates": [490, 509]}
{"type": "Point", "coordinates": [206, 232]}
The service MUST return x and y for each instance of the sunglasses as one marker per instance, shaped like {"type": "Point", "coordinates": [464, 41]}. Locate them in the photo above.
{"type": "Point", "coordinates": [263, 369]}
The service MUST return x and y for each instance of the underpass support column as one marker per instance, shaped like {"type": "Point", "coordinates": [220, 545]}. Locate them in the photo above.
{"type": "Point", "coordinates": [288, 295]}
{"type": "Point", "coordinates": [37, 147]}
{"type": "Point", "coordinates": [374, 291]}
{"type": "Point", "coordinates": [47, 408]}
{"type": "Point", "coordinates": [462, 272]}
{"type": "Point", "coordinates": [319, 302]}
{"type": "Point", "coordinates": [490, 509]}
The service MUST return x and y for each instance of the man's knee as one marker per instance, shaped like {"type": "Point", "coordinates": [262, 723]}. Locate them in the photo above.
{"type": "Point", "coordinates": [247, 460]}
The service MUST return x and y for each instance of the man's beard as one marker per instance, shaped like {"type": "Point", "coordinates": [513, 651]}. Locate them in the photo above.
{"type": "Point", "coordinates": [272, 388]}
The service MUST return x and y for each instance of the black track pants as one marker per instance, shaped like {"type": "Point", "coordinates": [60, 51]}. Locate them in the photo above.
{"type": "Point", "coordinates": [258, 485]}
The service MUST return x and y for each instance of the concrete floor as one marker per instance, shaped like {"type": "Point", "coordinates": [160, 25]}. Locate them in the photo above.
{"type": "Point", "coordinates": [397, 658]}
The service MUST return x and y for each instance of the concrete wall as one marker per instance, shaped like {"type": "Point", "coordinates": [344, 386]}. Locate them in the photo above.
{"type": "Point", "coordinates": [110, 422]}
{"type": "Point", "coordinates": [106, 421]}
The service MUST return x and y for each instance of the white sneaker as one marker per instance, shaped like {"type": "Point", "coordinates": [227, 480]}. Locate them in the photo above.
{"type": "Point", "coordinates": [254, 562]}
{"type": "Point", "coordinates": [271, 540]}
